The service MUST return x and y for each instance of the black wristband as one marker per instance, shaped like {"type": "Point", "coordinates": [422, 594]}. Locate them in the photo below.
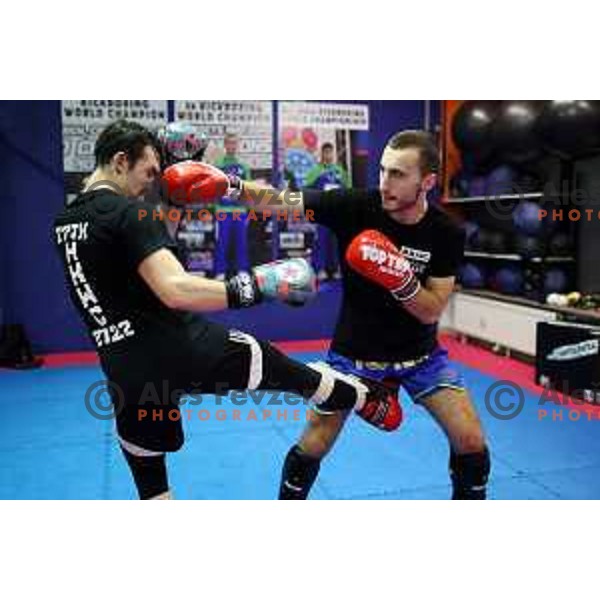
{"type": "Point", "coordinates": [242, 291]}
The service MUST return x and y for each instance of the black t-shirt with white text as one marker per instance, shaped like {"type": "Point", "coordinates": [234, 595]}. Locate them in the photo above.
{"type": "Point", "coordinates": [372, 325]}
{"type": "Point", "coordinates": [102, 238]}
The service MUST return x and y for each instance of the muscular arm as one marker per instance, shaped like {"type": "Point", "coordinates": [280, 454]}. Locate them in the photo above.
{"type": "Point", "coordinates": [179, 290]}
{"type": "Point", "coordinates": [429, 304]}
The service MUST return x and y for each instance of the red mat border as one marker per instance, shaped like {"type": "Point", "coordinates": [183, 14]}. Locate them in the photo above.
{"type": "Point", "coordinates": [469, 355]}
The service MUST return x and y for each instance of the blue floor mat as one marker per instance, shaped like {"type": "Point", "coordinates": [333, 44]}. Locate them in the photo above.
{"type": "Point", "coordinates": [50, 447]}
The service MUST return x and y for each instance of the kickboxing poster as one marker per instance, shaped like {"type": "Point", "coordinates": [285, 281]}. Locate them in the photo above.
{"type": "Point", "coordinates": [223, 246]}
{"type": "Point", "coordinates": [82, 121]}
{"type": "Point", "coordinates": [251, 121]}
{"type": "Point", "coordinates": [318, 149]}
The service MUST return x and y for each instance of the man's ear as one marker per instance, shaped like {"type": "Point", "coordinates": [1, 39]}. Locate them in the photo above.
{"type": "Point", "coordinates": [429, 182]}
{"type": "Point", "coordinates": [120, 163]}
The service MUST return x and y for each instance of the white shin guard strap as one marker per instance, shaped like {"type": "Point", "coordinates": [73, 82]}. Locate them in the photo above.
{"type": "Point", "coordinates": [327, 383]}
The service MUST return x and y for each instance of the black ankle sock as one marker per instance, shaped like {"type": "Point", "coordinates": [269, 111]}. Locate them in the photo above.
{"type": "Point", "coordinates": [469, 474]}
{"type": "Point", "coordinates": [298, 475]}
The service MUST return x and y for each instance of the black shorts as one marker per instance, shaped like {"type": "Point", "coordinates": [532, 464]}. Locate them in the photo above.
{"type": "Point", "coordinates": [148, 414]}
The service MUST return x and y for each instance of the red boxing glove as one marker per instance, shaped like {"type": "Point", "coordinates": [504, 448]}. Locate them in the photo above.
{"type": "Point", "coordinates": [192, 182]}
{"type": "Point", "coordinates": [375, 257]}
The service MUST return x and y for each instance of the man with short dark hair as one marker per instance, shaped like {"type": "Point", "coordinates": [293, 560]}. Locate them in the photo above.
{"type": "Point", "coordinates": [400, 256]}
{"type": "Point", "coordinates": [139, 306]}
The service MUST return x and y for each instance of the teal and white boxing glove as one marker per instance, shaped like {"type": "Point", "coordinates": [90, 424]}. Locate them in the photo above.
{"type": "Point", "coordinates": [292, 281]}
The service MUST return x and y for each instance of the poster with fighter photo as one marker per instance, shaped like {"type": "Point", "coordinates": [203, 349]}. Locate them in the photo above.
{"type": "Point", "coordinates": [240, 142]}
{"type": "Point", "coordinates": [321, 146]}
{"type": "Point", "coordinates": [82, 121]}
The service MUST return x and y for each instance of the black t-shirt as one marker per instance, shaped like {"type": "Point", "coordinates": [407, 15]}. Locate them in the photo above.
{"type": "Point", "coordinates": [102, 238]}
{"type": "Point", "coordinates": [372, 325]}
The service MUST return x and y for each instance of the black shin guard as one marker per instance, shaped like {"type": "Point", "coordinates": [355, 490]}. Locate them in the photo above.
{"type": "Point", "coordinates": [283, 373]}
{"type": "Point", "coordinates": [343, 397]}
{"type": "Point", "coordinates": [298, 475]}
{"type": "Point", "coordinates": [469, 474]}
{"type": "Point", "coordinates": [149, 474]}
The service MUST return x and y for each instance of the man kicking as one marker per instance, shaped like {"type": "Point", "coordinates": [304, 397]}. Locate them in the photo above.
{"type": "Point", "coordinates": [399, 257]}
{"type": "Point", "coordinates": [138, 304]}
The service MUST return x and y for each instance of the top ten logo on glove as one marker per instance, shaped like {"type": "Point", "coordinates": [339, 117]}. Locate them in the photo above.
{"type": "Point", "coordinates": [390, 261]}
